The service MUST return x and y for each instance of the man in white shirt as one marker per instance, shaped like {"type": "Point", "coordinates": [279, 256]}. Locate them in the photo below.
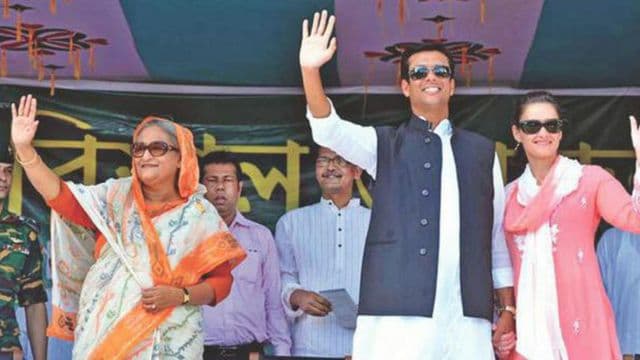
{"type": "Point", "coordinates": [320, 248]}
{"type": "Point", "coordinates": [435, 247]}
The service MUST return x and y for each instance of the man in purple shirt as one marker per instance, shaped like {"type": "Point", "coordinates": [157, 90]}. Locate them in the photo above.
{"type": "Point", "coordinates": [252, 316]}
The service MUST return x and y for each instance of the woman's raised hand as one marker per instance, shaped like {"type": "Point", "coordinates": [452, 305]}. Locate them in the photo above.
{"type": "Point", "coordinates": [24, 124]}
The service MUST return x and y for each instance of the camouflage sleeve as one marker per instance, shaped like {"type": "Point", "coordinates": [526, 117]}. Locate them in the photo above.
{"type": "Point", "coordinates": [31, 284]}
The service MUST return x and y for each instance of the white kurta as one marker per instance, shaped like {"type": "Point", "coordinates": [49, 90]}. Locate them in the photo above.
{"type": "Point", "coordinates": [448, 334]}
{"type": "Point", "coordinates": [321, 248]}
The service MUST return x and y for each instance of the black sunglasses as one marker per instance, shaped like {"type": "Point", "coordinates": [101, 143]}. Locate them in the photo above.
{"type": "Point", "coordinates": [533, 126]}
{"type": "Point", "coordinates": [156, 148]}
{"type": "Point", "coordinates": [422, 71]}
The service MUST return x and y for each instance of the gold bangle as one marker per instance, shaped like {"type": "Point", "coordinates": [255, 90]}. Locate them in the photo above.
{"type": "Point", "coordinates": [31, 163]}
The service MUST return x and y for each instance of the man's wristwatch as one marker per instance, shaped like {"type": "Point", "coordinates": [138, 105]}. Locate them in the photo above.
{"type": "Point", "coordinates": [509, 308]}
{"type": "Point", "coordinates": [185, 297]}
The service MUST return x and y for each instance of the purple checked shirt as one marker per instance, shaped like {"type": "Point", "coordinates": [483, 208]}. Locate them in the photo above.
{"type": "Point", "coordinates": [253, 310]}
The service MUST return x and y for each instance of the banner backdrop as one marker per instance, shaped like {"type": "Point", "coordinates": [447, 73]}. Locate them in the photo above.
{"type": "Point", "coordinates": [85, 137]}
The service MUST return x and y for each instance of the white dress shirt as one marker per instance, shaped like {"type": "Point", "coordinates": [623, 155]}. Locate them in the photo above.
{"type": "Point", "coordinates": [321, 248]}
{"type": "Point", "coordinates": [448, 334]}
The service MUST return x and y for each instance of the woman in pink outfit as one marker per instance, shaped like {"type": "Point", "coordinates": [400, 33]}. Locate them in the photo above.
{"type": "Point", "coordinates": [552, 212]}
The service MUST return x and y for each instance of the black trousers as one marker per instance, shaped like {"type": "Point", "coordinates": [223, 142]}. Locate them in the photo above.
{"type": "Point", "coordinates": [237, 352]}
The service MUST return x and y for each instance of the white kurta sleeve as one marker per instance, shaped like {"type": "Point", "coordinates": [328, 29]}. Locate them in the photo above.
{"type": "Point", "coordinates": [502, 270]}
{"type": "Point", "coordinates": [356, 143]}
{"type": "Point", "coordinates": [288, 267]}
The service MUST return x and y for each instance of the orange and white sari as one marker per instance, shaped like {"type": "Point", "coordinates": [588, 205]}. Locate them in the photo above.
{"type": "Point", "coordinates": [96, 300]}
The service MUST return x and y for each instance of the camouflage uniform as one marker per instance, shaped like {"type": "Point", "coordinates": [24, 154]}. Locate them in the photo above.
{"type": "Point", "coordinates": [20, 273]}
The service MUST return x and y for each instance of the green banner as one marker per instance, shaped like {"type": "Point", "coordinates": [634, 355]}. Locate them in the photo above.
{"type": "Point", "coordinates": [84, 136]}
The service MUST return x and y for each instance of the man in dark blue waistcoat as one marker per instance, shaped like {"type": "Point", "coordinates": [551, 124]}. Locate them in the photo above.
{"type": "Point", "coordinates": [435, 249]}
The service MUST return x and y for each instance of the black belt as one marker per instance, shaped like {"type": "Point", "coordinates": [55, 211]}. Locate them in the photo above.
{"type": "Point", "coordinates": [233, 352]}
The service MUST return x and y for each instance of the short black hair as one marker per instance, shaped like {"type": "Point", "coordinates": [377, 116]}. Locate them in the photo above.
{"type": "Point", "coordinates": [404, 58]}
{"type": "Point", "coordinates": [314, 151]}
{"type": "Point", "coordinates": [221, 157]}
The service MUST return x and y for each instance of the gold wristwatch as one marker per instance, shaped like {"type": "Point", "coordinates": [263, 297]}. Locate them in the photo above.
{"type": "Point", "coordinates": [185, 297]}
{"type": "Point", "coordinates": [509, 308]}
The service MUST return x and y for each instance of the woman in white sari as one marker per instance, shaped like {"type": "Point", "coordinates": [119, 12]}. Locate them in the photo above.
{"type": "Point", "coordinates": [132, 258]}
